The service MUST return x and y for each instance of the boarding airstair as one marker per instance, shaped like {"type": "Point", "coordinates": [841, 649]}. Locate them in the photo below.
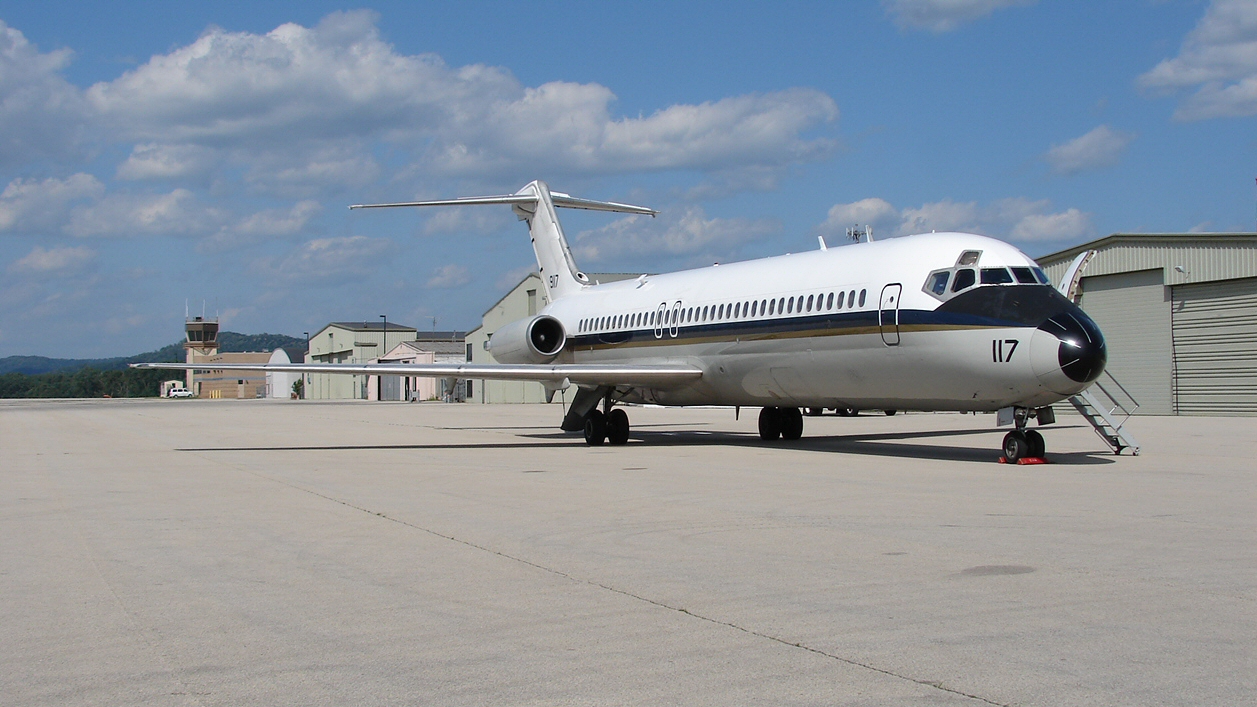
{"type": "Point", "coordinates": [1102, 405]}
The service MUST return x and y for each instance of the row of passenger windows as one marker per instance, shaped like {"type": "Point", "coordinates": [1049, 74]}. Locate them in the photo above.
{"type": "Point", "coordinates": [674, 316]}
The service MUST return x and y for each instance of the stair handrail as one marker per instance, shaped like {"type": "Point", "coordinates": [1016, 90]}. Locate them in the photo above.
{"type": "Point", "coordinates": [1114, 400]}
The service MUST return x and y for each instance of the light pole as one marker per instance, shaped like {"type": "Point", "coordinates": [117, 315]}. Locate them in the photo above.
{"type": "Point", "coordinates": [307, 376]}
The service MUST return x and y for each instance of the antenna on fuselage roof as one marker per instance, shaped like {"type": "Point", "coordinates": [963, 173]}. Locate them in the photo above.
{"type": "Point", "coordinates": [855, 233]}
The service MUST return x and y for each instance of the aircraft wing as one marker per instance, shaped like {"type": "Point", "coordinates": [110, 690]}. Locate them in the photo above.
{"type": "Point", "coordinates": [664, 376]}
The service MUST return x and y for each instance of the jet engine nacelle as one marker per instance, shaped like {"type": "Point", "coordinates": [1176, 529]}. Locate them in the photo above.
{"type": "Point", "coordinates": [536, 340]}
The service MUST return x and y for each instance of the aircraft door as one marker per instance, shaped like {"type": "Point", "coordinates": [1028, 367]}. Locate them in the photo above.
{"type": "Point", "coordinates": [888, 314]}
{"type": "Point", "coordinates": [659, 315]}
{"type": "Point", "coordinates": [675, 319]}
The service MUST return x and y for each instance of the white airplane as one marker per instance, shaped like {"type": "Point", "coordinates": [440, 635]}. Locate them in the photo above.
{"type": "Point", "coordinates": [931, 322]}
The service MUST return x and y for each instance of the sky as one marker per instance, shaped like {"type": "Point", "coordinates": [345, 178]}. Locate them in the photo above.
{"type": "Point", "coordinates": [158, 158]}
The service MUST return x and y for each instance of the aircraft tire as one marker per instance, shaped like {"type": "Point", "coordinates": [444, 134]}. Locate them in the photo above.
{"type": "Point", "coordinates": [1016, 446]}
{"type": "Point", "coordinates": [617, 427]}
{"type": "Point", "coordinates": [791, 424]}
{"type": "Point", "coordinates": [847, 412]}
{"type": "Point", "coordinates": [1037, 446]}
{"type": "Point", "coordinates": [595, 428]}
{"type": "Point", "coordinates": [890, 413]}
{"type": "Point", "coordinates": [815, 412]}
{"type": "Point", "coordinates": [769, 424]}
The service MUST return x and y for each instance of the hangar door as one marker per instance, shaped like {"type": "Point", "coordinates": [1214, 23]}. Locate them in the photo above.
{"type": "Point", "coordinates": [1215, 347]}
{"type": "Point", "coordinates": [1133, 311]}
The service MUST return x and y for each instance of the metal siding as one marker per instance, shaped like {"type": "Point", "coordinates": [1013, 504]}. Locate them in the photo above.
{"type": "Point", "coordinates": [1134, 314]}
{"type": "Point", "coordinates": [1215, 347]}
{"type": "Point", "coordinates": [1204, 257]}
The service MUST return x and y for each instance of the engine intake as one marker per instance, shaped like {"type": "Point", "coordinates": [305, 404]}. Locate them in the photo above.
{"type": "Point", "coordinates": [536, 340]}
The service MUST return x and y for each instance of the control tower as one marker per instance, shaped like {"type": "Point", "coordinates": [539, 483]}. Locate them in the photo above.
{"type": "Point", "coordinates": [201, 342]}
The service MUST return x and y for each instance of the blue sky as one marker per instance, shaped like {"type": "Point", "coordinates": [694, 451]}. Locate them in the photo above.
{"type": "Point", "coordinates": [156, 153]}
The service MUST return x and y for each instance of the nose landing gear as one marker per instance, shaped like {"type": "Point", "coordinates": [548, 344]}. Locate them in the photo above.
{"type": "Point", "coordinates": [1023, 444]}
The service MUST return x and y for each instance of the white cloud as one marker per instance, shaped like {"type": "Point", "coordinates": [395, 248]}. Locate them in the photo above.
{"type": "Point", "coordinates": [943, 15]}
{"type": "Point", "coordinates": [1065, 225]}
{"type": "Point", "coordinates": [1101, 147]}
{"type": "Point", "coordinates": [41, 113]}
{"type": "Point", "coordinates": [45, 261]}
{"type": "Point", "coordinates": [1219, 60]}
{"type": "Point", "coordinates": [448, 277]}
{"type": "Point", "coordinates": [154, 161]}
{"type": "Point", "coordinates": [274, 99]}
{"type": "Point", "coordinates": [467, 221]}
{"type": "Point", "coordinates": [178, 213]}
{"type": "Point", "coordinates": [512, 277]}
{"type": "Point", "coordinates": [263, 225]}
{"type": "Point", "coordinates": [333, 259]}
{"type": "Point", "coordinates": [677, 234]}
{"type": "Point", "coordinates": [1016, 219]}
{"type": "Point", "coordinates": [42, 205]}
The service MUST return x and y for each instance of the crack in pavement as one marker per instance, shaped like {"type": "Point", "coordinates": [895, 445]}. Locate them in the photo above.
{"type": "Point", "coordinates": [937, 685]}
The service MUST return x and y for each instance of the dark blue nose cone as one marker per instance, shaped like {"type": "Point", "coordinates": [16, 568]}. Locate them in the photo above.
{"type": "Point", "coordinates": [1082, 353]}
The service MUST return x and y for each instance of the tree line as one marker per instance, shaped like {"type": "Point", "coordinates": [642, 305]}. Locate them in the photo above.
{"type": "Point", "coordinates": [85, 383]}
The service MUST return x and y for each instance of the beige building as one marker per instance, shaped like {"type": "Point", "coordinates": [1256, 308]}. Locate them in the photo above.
{"type": "Point", "coordinates": [350, 342]}
{"type": "Point", "coordinates": [1179, 316]}
{"type": "Point", "coordinates": [428, 347]}
{"type": "Point", "coordinates": [524, 300]}
{"type": "Point", "coordinates": [217, 383]}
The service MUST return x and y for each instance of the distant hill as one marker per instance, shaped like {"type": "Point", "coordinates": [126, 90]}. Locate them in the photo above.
{"type": "Point", "coordinates": [228, 341]}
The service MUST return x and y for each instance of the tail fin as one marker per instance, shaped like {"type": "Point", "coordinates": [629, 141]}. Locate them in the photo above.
{"type": "Point", "coordinates": [535, 203]}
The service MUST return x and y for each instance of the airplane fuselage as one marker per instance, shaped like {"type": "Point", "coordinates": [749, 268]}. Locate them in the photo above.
{"type": "Point", "coordinates": [867, 325]}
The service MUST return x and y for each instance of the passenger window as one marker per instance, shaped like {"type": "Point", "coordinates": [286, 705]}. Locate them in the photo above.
{"type": "Point", "coordinates": [753, 308]}
{"type": "Point", "coordinates": [781, 306]}
{"type": "Point", "coordinates": [964, 278]}
{"type": "Point", "coordinates": [772, 306]}
{"type": "Point", "coordinates": [937, 283]}
{"type": "Point", "coordinates": [829, 303]}
{"type": "Point", "coordinates": [790, 306]}
{"type": "Point", "coordinates": [851, 300]}
{"type": "Point", "coordinates": [862, 294]}
{"type": "Point", "coordinates": [996, 276]}
{"type": "Point", "coordinates": [809, 303]}
{"type": "Point", "coordinates": [763, 307]}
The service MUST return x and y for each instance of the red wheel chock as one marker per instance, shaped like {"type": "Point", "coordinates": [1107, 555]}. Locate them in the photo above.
{"type": "Point", "coordinates": [1025, 460]}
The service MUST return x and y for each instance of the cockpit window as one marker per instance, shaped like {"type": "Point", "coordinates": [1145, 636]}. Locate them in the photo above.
{"type": "Point", "coordinates": [1038, 272]}
{"type": "Point", "coordinates": [969, 257]}
{"type": "Point", "coordinates": [937, 284]}
{"type": "Point", "coordinates": [996, 276]}
{"type": "Point", "coordinates": [964, 278]}
{"type": "Point", "coordinates": [1025, 276]}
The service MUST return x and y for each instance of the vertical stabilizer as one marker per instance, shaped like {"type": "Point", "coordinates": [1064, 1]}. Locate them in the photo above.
{"type": "Point", "coordinates": [554, 257]}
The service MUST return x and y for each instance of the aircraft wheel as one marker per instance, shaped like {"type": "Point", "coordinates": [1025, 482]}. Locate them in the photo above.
{"type": "Point", "coordinates": [844, 412]}
{"type": "Point", "coordinates": [815, 412]}
{"type": "Point", "coordinates": [1037, 446]}
{"type": "Point", "coordinates": [595, 428]}
{"type": "Point", "coordinates": [769, 424]}
{"type": "Point", "coordinates": [791, 423]}
{"type": "Point", "coordinates": [617, 427]}
{"type": "Point", "coordinates": [890, 413]}
{"type": "Point", "coordinates": [1016, 446]}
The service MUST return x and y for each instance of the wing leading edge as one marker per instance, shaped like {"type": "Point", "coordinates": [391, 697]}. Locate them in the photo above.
{"type": "Point", "coordinates": [578, 374]}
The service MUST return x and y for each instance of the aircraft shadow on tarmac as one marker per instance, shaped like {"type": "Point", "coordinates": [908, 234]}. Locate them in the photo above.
{"type": "Point", "coordinates": [883, 444]}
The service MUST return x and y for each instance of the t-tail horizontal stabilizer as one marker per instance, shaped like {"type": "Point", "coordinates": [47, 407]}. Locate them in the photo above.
{"type": "Point", "coordinates": [535, 203]}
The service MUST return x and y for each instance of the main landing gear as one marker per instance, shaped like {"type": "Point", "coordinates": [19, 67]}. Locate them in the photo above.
{"type": "Point", "coordinates": [610, 427]}
{"type": "Point", "coordinates": [786, 423]}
